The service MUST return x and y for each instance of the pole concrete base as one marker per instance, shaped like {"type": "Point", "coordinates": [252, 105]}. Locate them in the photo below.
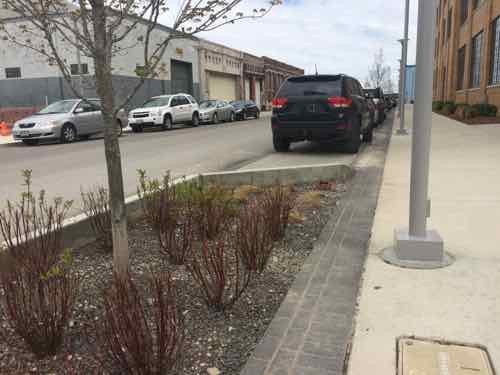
{"type": "Point", "coordinates": [417, 252]}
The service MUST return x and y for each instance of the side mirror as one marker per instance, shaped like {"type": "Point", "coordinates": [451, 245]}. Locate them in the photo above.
{"type": "Point", "coordinates": [79, 110]}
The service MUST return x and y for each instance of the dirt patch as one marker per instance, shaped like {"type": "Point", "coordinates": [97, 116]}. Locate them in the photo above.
{"type": "Point", "coordinates": [222, 341]}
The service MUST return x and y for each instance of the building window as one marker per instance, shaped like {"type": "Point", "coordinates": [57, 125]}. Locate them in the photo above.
{"type": "Point", "coordinates": [84, 69]}
{"type": "Point", "coordinates": [461, 68]}
{"type": "Point", "coordinates": [443, 31]}
{"type": "Point", "coordinates": [450, 20]}
{"type": "Point", "coordinates": [476, 50]}
{"type": "Point", "coordinates": [12, 72]}
{"type": "Point", "coordinates": [477, 3]}
{"type": "Point", "coordinates": [464, 10]}
{"type": "Point", "coordinates": [495, 55]}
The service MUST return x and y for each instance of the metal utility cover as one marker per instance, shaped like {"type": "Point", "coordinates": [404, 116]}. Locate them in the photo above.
{"type": "Point", "coordinates": [420, 357]}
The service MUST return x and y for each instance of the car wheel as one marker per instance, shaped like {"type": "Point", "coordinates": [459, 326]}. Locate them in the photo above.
{"type": "Point", "coordinates": [215, 119]}
{"type": "Point", "coordinates": [280, 144]}
{"type": "Point", "coordinates": [195, 121]}
{"type": "Point", "coordinates": [354, 141]}
{"type": "Point", "coordinates": [137, 128]}
{"type": "Point", "coordinates": [368, 134]}
{"type": "Point", "coordinates": [167, 123]}
{"type": "Point", "coordinates": [68, 133]}
{"type": "Point", "coordinates": [31, 142]}
{"type": "Point", "coordinates": [232, 117]}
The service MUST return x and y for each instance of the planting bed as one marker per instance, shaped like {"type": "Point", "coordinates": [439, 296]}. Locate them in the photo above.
{"type": "Point", "coordinates": [213, 341]}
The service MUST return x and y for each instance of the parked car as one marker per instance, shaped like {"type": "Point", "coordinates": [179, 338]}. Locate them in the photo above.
{"type": "Point", "coordinates": [164, 111]}
{"type": "Point", "coordinates": [321, 108]}
{"type": "Point", "coordinates": [374, 112]}
{"type": "Point", "coordinates": [65, 120]}
{"type": "Point", "coordinates": [245, 109]}
{"type": "Point", "coordinates": [377, 95]}
{"type": "Point", "coordinates": [213, 111]}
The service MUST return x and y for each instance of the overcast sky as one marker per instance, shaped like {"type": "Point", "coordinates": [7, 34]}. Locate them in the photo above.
{"type": "Point", "coordinates": [340, 36]}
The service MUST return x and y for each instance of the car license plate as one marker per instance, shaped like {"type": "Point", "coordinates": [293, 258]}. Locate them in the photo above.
{"type": "Point", "coordinates": [25, 133]}
{"type": "Point", "coordinates": [139, 121]}
{"type": "Point", "coordinates": [312, 108]}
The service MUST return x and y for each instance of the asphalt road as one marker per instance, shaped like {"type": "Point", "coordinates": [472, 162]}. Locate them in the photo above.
{"type": "Point", "coordinates": [64, 169]}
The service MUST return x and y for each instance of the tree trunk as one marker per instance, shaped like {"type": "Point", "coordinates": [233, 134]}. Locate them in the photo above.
{"type": "Point", "coordinates": [104, 85]}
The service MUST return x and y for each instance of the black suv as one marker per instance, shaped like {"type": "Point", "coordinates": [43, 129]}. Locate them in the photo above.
{"type": "Point", "coordinates": [321, 108]}
{"type": "Point", "coordinates": [378, 97]}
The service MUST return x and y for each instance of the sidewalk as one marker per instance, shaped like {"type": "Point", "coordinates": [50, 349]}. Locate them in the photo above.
{"type": "Point", "coordinates": [460, 303]}
{"type": "Point", "coordinates": [6, 139]}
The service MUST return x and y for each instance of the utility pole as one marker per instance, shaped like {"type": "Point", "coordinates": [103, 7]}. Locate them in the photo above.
{"type": "Point", "coordinates": [404, 61]}
{"type": "Point", "coordinates": [418, 247]}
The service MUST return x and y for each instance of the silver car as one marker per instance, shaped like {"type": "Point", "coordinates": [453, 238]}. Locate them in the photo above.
{"type": "Point", "coordinates": [213, 111]}
{"type": "Point", "coordinates": [65, 120]}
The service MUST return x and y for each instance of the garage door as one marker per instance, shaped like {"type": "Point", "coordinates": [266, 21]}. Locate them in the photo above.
{"type": "Point", "coordinates": [247, 89]}
{"type": "Point", "coordinates": [258, 91]}
{"type": "Point", "coordinates": [182, 77]}
{"type": "Point", "coordinates": [222, 87]}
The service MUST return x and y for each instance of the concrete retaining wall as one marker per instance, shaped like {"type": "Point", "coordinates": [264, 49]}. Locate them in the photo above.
{"type": "Point", "coordinates": [271, 176]}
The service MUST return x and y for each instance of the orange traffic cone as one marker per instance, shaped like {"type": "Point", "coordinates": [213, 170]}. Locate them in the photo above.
{"type": "Point", "coordinates": [5, 129]}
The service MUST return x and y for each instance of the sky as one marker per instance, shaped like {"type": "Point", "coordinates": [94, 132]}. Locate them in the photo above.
{"type": "Point", "coordinates": [339, 36]}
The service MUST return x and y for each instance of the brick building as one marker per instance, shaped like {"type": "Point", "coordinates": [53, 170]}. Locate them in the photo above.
{"type": "Point", "coordinates": [275, 73]}
{"type": "Point", "coordinates": [467, 63]}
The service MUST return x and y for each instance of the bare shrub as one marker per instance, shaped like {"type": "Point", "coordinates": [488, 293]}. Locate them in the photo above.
{"type": "Point", "coordinates": [136, 336]}
{"type": "Point", "coordinates": [39, 305]}
{"type": "Point", "coordinates": [244, 192]}
{"type": "Point", "coordinates": [277, 202]}
{"type": "Point", "coordinates": [253, 238]}
{"type": "Point", "coordinates": [32, 228]}
{"type": "Point", "coordinates": [219, 273]}
{"type": "Point", "coordinates": [149, 192]}
{"type": "Point", "coordinates": [169, 210]}
{"type": "Point", "coordinates": [176, 230]}
{"type": "Point", "coordinates": [214, 208]}
{"type": "Point", "coordinates": [96, 207]}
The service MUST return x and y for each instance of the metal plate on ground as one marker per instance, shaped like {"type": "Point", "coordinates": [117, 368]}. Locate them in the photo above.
{"type": "Point", "coordinates": [421, 357]}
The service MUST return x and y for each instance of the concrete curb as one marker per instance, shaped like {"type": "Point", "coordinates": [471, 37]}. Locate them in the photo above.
{"type": "Point", "coordinates": [5, 140]}
{"type": "Point", "coordinates": [287, 175]}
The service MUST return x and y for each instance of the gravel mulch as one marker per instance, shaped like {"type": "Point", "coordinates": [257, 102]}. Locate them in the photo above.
{"type": "Point", "coordinates": [213, 340]}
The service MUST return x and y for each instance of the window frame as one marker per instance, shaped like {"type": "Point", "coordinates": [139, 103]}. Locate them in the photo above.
{"type": "Point", "coordinates": [494, 78]}
{"type": "Point", "coordinates": [461, 59]}
{"type": "Point", "coordinates": [476, 59]}
{"type": "Point", "coordinates": [464, 11]}
{"type": "Point", "coordinates": [17, 69]}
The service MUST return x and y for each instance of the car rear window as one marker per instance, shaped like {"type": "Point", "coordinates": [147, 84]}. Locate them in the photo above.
{"type": "Point", "coordinates": [304, 86]}
{"type": "Point", "coordinates": [373, 93]}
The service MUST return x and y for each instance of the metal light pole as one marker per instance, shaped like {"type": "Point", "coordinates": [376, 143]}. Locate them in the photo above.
{"type": "Point", "coordinates": [418, 247]}
{"type": "Point", "coordinates": [400, 84]}
{"type": "Point", "coordinates": [404, 61]}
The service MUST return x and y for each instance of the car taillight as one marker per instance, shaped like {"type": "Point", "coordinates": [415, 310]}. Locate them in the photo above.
{"type": "Point", "coordinates": [279, 103]}
{"type": "Point", "coordinates": [340, 102]}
